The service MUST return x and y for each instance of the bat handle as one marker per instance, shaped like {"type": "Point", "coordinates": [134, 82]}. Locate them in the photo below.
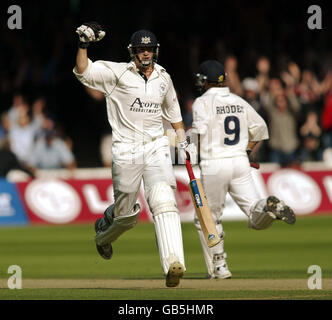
{"type": "Point", "coordinates": [254, 165]}
{"type": "Point", "coordinates": [188, 156]}
{"type": "Point", "coordinates": [189, 167]}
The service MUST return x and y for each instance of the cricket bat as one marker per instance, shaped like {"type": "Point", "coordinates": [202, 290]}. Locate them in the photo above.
{"type": "Point", "coordinates": [202, 208]}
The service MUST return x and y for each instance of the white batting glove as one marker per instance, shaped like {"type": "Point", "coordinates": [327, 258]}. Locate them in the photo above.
{"type": "Point", "coordinates": [183, 147]}
{"type": "Point", "coordinates": [89, 32]}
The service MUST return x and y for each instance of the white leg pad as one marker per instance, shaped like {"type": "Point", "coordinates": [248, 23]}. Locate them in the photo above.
{"type": "Point", "coordinates": [208, 253]}
{"type": "Point", "coordinates": [259, 219]}
{"type": "Point", "coordinates": [118, 226]}
{"type": "Point", "coordinates": [169, 239]}
{"type": "Point", "coordinates": [161, 199]}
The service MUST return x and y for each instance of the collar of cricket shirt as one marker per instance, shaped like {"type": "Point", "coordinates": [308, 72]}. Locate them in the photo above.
{"type": "Point", "coordinates": [224, 91]}
{"type": "Point", "coordinates": [159, 69]}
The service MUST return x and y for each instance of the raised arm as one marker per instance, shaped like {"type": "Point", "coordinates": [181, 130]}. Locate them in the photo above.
{"type": "Point", "coordinates": [81, 60]}
{"type": "Point", "coordinates": [87, 32]}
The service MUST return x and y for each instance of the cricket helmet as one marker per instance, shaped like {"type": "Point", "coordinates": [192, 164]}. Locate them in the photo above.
{"type": "Point", "coordinates": [210, 71]}
{"type": "Point", "coordinates": [143, 38]}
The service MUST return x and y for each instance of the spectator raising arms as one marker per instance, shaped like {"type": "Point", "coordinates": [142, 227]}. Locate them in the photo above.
{"type": "Point", "coordinates": [233, 77]}
{"type": "Point", "coordinates": [21, 136]}
{"type": "Point", "coordinates": [283, 129]}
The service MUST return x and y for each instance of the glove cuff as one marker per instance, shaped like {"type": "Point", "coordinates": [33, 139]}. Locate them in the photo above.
{"type": "Point", "coordinates": [83, 45]}
{"type": "Point", "coordinates": [183, 144]}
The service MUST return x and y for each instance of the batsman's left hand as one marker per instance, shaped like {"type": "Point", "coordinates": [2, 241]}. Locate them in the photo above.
{"type": "Point", "coordinates": [191, 148]}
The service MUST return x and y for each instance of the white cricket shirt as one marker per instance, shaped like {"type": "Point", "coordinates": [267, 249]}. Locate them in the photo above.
{"type": "Point", "coordinates": [135, 107]}
{"type": "Point", "coordinates": [226, 123]}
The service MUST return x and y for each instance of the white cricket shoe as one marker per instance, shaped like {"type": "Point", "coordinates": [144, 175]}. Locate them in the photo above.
{"type": "Point", "coordinates": [221, 270]}
{"type": "Point", "coordinates": [175, 273]}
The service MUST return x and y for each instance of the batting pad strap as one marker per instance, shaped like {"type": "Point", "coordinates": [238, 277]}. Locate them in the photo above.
{"type": "Point", "coordinates": [161, 199]}
{"type": "Point", "coordinates": [169, 239]}
{"type": "Point", "coordinates": [119, 226]}
{"type": "Point", "coordinates": [163, 208]}
{"type": "Point", "coordinates": [259, 219]}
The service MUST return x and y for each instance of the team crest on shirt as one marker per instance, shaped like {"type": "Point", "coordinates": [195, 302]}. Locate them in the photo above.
{"type": "Point", "coordinates": [162, 89]}
{"type": "Point", "coordinates": [145, 40]}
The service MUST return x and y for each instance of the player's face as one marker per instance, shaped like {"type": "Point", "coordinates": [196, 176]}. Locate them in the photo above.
{"type": "Point", "coordinates": [145, 54]}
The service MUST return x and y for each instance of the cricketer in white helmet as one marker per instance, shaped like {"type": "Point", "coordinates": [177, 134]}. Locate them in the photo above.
{"type": "Point", "coordinates": [139, 94]}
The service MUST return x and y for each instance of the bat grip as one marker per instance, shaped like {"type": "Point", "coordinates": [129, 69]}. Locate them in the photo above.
{"type": "Point", "coordinates": [254, 165]}
{"type": "Point", "coordinates": [189, 167]}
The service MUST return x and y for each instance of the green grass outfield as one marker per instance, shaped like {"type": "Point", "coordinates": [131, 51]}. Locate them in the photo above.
{"type": "Point", "coordinates": [61, 262]}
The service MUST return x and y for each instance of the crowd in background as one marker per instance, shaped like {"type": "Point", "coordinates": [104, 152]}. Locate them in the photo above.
{"type": "Point", "coordinates": [270, 56]}
{"type": "Point", "coordinates": [31, 139]}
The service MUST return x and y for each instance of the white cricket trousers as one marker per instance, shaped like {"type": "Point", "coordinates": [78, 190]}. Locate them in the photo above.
{"type": "Point", "coordinates": [133, 162]}
{"type": "Point", "coordinates": [231, 175]}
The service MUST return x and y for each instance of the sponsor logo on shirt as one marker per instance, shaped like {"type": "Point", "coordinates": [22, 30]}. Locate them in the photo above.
{"type": "Point", "coordinates": [145, 106]}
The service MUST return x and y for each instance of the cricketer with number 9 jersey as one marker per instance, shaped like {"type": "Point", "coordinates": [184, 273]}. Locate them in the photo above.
{"type": "Point", "coordinates": [226, 123]}
{"type": "Point", "coordinates": [227, 128]}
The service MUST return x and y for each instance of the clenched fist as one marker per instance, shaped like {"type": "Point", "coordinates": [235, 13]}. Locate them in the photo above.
{"type": "Point", "coordinates": [89, 32]}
